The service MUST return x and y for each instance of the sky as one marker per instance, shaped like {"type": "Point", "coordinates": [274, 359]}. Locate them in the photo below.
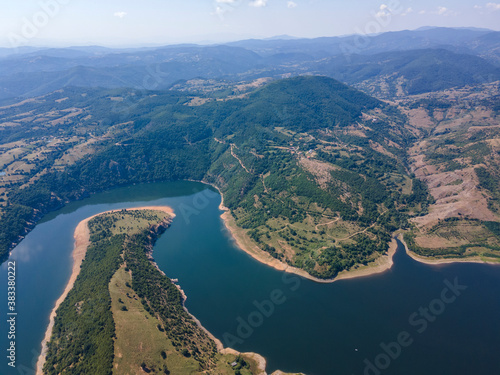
{"type": "Point", "coordinates": [120, 23]}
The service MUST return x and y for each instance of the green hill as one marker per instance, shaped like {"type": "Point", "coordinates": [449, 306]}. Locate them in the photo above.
{"type": "Point", "coordinates": [289, 158]}
{"type": "Point", "coordinates": [315, 174]}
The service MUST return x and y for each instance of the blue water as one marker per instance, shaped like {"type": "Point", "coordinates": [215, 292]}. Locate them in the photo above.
{"type": "Point", "coordinates": [298, 325]}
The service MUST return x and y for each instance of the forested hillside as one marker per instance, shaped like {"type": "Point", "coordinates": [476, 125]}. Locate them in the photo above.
{"type": "Point", "coordinates": [290, 155]}
{"type": "Point", "coordinates": [316, 173]}
{"type": "Point", "coordinates": [122, 304]}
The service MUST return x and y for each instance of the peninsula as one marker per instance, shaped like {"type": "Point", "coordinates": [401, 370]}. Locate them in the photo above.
{"type": "Point", "coordinates": [120, 313]}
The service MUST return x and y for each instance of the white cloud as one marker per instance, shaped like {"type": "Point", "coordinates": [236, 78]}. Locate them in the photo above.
{"type": "Point", "coordinates": [258, 3]}
{"type": "Point", "coordinates": [493, 6]}
{"type": "Point", "coordinates": [120, 14]}
{"type": "Point", "coordinates": [442, 10]}
{"type": "Point", "coordinates": [291, 4]}
{"type": "Point", "coordinates": [219, 11]}
{"type": "Point", "coordinates": [407, 11]}
{"type": "Point", "coordinates": [383, 12]}
{"type": "Point", "coordinates": [224, 7]}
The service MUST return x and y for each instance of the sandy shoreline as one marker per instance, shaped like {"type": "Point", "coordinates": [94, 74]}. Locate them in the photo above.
{"type": "Point", "coordinates": [82, 241]}
{"type": "Point", "coordinates": [382, 264]}
{"type": "Point", "coordinates": [260, 360]}
{"type": "Point", "coordinates": [437, 262]}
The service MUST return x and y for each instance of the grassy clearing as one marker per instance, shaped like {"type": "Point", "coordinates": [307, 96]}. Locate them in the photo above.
{"type": "Point", "coordinates": [457, 233]}
{"type": "Point", "coordinates": [399, 182]}
{"type": "Point", "coordinates": [76, 153]}
{"type": "Point", "coordinates": [138, 339]}
{"type": "Point", "coordinates": [38, 154]}
{"type": "Point", "coordinates": [9, 156]}
{"type": "Point", "coordinates": [133, 225]}
{"type": "Point", "coordinates": [5, 180]}
{"type": "Point", "coordinates": [284, 131]}
{"type": "Point", "coordinates": [20, 167]}
{"type": "Point", "coordinates": [142, 344]}
{"type": "Point", "coordinates": [458, 238]}
{"type": "Point", "coordinates": [305, 241]}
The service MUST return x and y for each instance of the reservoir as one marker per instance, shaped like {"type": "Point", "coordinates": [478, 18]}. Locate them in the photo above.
{"type": "Point", "coordinates": [413, 319]}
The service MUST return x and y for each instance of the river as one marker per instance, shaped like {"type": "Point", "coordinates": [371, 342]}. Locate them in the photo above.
{"type": "Point", "coordinates": [412, 319]}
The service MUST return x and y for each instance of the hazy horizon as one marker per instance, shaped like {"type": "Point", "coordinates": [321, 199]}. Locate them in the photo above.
{"type": "Point", "coordinates": [65, 23]}
{"type": "Point", "coordinates": [224, 39]}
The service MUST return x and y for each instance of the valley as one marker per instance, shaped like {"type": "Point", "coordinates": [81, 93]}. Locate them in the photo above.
{"type": "Point", "coordinates": [331, 163]}
{"type": "Point", "coordinates": [290, 177]}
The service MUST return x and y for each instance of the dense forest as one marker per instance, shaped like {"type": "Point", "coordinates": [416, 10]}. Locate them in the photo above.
{"type": "Point", "coordinates": [314, 171]}
{"type": "Point", "coordinates": [84, 331]}
{"type": "Point", "coordinates": [168, 140]}
{"type": "Point", "coordinates": [82, 337]}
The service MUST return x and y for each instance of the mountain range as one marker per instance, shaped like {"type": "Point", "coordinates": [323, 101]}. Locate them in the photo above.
{"type": "Point", "coordinates": [449, 57]}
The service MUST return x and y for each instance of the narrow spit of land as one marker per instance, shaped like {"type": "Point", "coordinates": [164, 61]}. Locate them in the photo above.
{"type": "Point", "coordinates": [135, 306]}
{"type": "Point", "coordinates": [82, 242]}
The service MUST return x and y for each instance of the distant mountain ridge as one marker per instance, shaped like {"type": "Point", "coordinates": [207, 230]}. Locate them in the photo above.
{"type": "Point", "coordinates": [413, 55]}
